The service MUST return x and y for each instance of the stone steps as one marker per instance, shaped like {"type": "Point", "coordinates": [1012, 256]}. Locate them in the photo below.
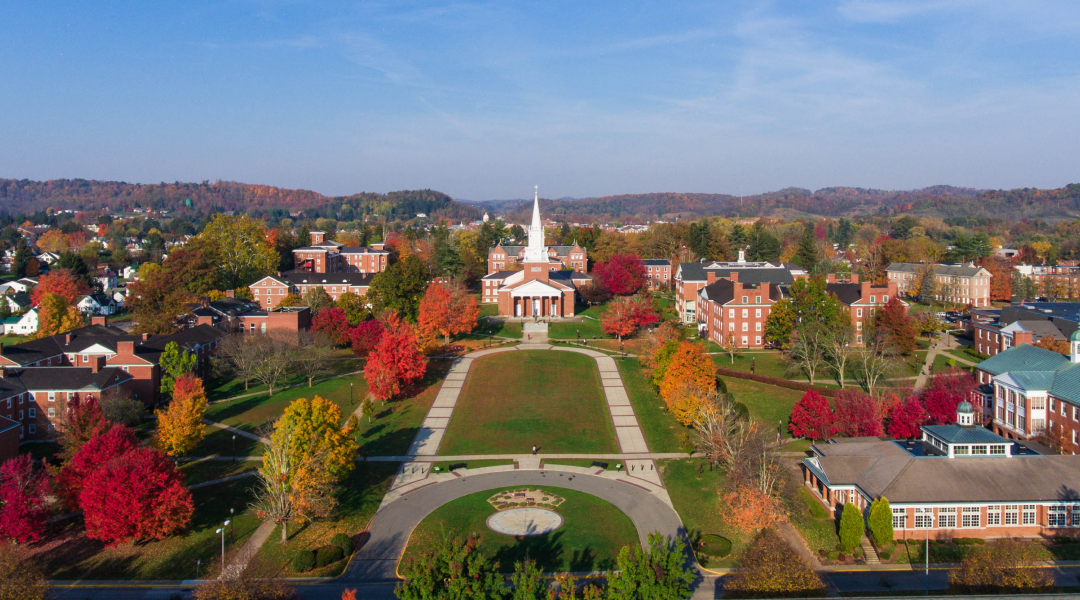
{"type": "Point", "coordinates": [869, 554]}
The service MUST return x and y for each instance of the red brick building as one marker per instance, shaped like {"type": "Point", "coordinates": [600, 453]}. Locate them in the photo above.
{"type": "Point", "coordinates": [506, 258]}
{"type": "Point", "coordinates": [958, 480]}
{"type": "Point", "coordinates": [270, 290]}
{"type": "Point", "coordinates": [690, 278]}
{"type": "Point", "coordinates": [658, 273]}
{"type": "Point", "coordinates": [327, 256]}
{"type": "Point", "coordinates": [36, 398]}
{"type": "Point", "coordinates": [734, 311]}
{"type": "Point", "coordinates": [861, 299]}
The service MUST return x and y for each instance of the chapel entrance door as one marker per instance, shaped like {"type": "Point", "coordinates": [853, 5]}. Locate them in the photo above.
{"type": "Point", "coordinates": [536, 308]}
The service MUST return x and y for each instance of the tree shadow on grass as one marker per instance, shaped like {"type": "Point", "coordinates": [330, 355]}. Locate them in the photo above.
{"type": "Point", "coordinates": [546, 549]}
{"type": "Point", "coordinates": [239, 407]}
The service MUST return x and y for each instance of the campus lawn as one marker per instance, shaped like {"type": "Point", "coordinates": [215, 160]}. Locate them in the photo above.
{"type": "Point", "coordinates": [511, 401]}
{"type": "Point", "coordinates": [768, 404]}
{"type": "Point", "coordinates": [589, 539]}
{"type": "Point", "coordinates": [251, 412]}
{"type": "Point", "coordinates": [344, 361]}
{"type": "Point", "coordinates": [498, 328]}
{"type": "Point", "coordinates": [813, 522]}
{"type": "Point", "coordinates": [359, 496]}
{"type": "Point", "coordinates": [767, 363]}
{"type": "Point", "coordinates": [218, 442]}
{"type": "Point", "coordinates": [662, 432]}
{"type": "Point", "coordinates": [207, 470]}
{"type": "Point", "coordinates": [588, 326]}
{"type": "Point", "coordinates": [695, 492]}
{"type": "Point", "coordinates": [391, 430]}
{"type": "Point", "coordinates": [68, 554]}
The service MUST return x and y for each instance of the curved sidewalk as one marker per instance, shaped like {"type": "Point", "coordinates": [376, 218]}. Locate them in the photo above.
{"type": "Point", "coordinates": [392, 525]}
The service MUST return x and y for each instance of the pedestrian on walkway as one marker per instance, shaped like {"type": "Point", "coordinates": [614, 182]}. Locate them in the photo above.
{"type": "Point", "coordinates": [534, 449]}
{"type": "Point", "coordinates": [530, 337]}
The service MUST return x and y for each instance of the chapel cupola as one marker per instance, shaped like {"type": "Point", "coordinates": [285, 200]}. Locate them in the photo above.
{"type": "Point", "coordinates": [965, 414]}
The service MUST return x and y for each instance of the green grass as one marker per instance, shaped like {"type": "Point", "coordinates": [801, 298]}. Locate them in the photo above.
{"type": "Point", "coordinates": [662, 432]}
{"type": "Point", "coordinates": [11, 340]}
{"type": "Point", "coordinates": [208, 470]}
{"type": "Point", "coordinates": [592, 533]}
{"type": "Point", "coordinates": [220, 389]}
{"type": "Point", "coordinates": [589, 326]}
{"type": "Point", "coordinates": [444, 466]}
{"type": "Point", "coordinates": [498, 328]}
{"type": "Point", "coordinates": [391, 430]}
{"type": "Point", "coordinates": [768, 404]}
{"type": "Point", "coordinates": [514, 400]}
{"type": "Point", "coordinates": [813, 522]}
{"type": "Point", "coordinates": [218, 442]}
{"type": "Point", "coordinates": [68, 554]}
{"type": "Point", "coordinates": [359, 496]}
{"type": "Point", "coordinates": [252, 412]}
{"type": "Point", "coordinates": [697, 500]}
{"type": "Point", "coordinates": [768, 363]}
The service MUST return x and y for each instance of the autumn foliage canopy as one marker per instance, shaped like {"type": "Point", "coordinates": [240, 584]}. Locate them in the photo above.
{"type": "Point", "coordinates": [23, 503]}
{"type": "Point", "coordinates": [447, 309]}
{"type": "Point", "coordinates": [622, 274]}
{"type": "Point", "coordinates": [396, 360]}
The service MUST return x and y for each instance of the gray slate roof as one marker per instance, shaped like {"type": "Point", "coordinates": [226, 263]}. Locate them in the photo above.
{"type": "Point", "coordinates": [956, 434]}
{"type": "Point", "coordinates": [957, 270]}
{"type": "Point", "coordinates": [295, 277]}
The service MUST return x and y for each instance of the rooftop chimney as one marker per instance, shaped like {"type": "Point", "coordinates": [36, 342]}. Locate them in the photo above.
{"type": "Point", "coordinates": [67, 339]}
{"type": "Point", "coordinates": [97, 321]}
{"type": "Point", "coordinates": [1022, 337]}
{"type": "Point", "coordinates": [830, 278]}
{"type": "Point", "coordinates": [145, 336]}
{"type": "Point", "coordinates": [710, 277]}
{"type": "Point", "coordinates": [97, 363]}
{"type": "Point", "coordinates": [230, 293]}
{"type": "Point", "coordinates": [734, 276]}
{"type": "Point", "coordinates": [853, 278]}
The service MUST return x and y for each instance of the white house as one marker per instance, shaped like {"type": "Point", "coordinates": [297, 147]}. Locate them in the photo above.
{"type": "Point", "coordinates": [97, 304]}
{"type": "Point", "coordinates": [24, 325]}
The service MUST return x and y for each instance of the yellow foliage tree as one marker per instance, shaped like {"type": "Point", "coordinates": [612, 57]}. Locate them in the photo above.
{"type": "Point", "coordinates": [314, 428]}
{"type": "Point", "coordinates": [180, 426]}
{"type": "Point", "coordinates": [56, 316]}
{"type": "Point", "coordinates": [689, 378]}
{"type": "Point", "coordinates": [1008, 566]}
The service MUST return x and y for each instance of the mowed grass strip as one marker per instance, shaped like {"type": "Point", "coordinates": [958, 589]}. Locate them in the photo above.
{"type": "Point", "coordinates": [592, 533]}
{"type": "Point", "coordinates": [513, 400]}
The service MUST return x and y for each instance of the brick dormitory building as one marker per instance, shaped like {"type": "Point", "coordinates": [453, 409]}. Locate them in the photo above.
{"type": "Point", "coordinates": [959, 480]}
{"type": "Point", "coordinates": [38, 377]}
{"type": "Point", "coordinates": [731, 309]}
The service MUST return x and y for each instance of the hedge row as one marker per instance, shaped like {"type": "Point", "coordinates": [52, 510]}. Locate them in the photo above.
{"type": "Point", "coordinates": [784, 383]}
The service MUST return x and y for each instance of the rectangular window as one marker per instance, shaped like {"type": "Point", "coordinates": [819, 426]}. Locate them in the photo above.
{"type": "Point", "coordinates": [745, 326]}
{"type": "Point", "coordinates": [1075, 511]}
{"type": "Point", "coordinates": [757, 326]}
{"type": "Point", "coordinates": [744, 338]}
{"type": "Point", "coordinates": [33, 428]}
{"type": "Point", "coordinates": [997, 449]}
{"type": "Point", "coordinates": [946, 518]}
{"type": "Point", "coordinates": [1055, 516]}
{"type": "Point", "coordinates": [899, 518]}
{"type": "Point", "coordinates": [52, 397]}
{"type": "Point", "coordinates": [757, 313]}
{"type": "Point", "coordinates": [745, 313]}
{"type": "Point", "coordinates": [993, 515]}
{"type": "Point", "coordinates": [1038, 403]}
{"type": "Point", "coordinates": [32, 413]}
{"type": "Point", "coordinates": [924, 517]}
{"type": "Point", "coordinates": [86, 358]}
{"type": "Point", "coordinates": [885, 299]}
{"type": "Point", "coordinates": [1029, 514]}
{"type": "Point", "coordinates": [757, 299]}
{"type": "Point", "coordinates": [757, 341]}
{"type": "Point", "coordinates": [971, 516]}
{"type": "Point", "coordinates": [978, 449]}
{"type": "Point", "coordinates": [731, 313]}
{"type": "Point", "coordinates": [746, 300]}
{"type": "Point", "coordinates": [960, 450]}
{"type": "Point", "coordinates": [858, 312]}
{"type": "Point", "coordinates": [1012, 515]}
{"type": "Point", "coordinates": [52, 412]}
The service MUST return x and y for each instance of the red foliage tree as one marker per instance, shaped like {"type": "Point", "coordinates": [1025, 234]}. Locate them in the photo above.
{"type": "Point", "coordinates": [622, 275]}
{"type": "Point", "coordinates": [61, 282]}
{"type": "Point", "coordinates": [365, 336]}
{"type": "Point", "coordinates": [101, 448]}
{"type": "Point", "coordinates": [333, 323]}
{"type": "Point", "coordinates": [137, 496]}
{"type": "Point", "coordinates": [811, 417]}
{"type": "Point", "coordinates": [83, 421]}
{"type": "Point", "coordinates": [906, 418]}
{"type": "Point", "coordinates": [857, 414]}
{"type": "Point", "coordinates": [898, 325]}
{"type": "Point", "coordinates": [944, 394]}
{"type": "Point", "coordinates": [23, 506]}
{"type": "Point", "coordinates": [625, 315]}
{"type": "Point", "coordinates": [396, 360]}
{"type": "Point", "coordinates": [1001, 277]}
{"type": "Point", "coordinates": [447, 309]}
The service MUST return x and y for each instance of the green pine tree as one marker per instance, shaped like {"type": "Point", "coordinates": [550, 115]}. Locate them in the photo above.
{"type": "Point", "coordinates": [881, 528]}
{"type": "Point", "coordinates": [851, 527]}
{"type": "Point", "coordinates": [807, 255]}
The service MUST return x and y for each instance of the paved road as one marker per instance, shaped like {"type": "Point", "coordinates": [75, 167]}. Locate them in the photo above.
{"type": "Point", "coordinates": [393, 524]}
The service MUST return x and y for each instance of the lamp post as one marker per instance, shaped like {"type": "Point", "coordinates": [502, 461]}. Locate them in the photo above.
{"type": "Point", "coordinates": [350, 393]}
{"type": "Point", "coordinates": [221, 530]}
{"type": "Point", "coordinates": [928, 554]}
{"type": "Point", "coordinates": [234, 447]}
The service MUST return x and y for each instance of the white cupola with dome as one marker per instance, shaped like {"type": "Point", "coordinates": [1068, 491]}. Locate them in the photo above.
{"type": "Point", "coordinates": [965, 414]}
{"type": "Point", "coordinates": [1074, 347]}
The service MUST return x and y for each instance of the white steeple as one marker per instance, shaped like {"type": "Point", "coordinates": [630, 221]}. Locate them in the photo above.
{"type": "Point", "coordinates": [536, 251]}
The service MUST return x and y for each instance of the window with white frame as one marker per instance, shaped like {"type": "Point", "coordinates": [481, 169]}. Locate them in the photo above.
{"type": "Point", "coordinates": [899, 518]}
{"type": "Point", "coordinates": [32, 413]}
{"type": "Point", "coordinates": [1055, 516]}
{"type": "Point", "coordinates": [971, 516]}
{"type": "Point", "coordinates": [52, 412]}
{"type": "Point", "coordinates": [947, 518]}
{"type": "Point", "coordinates": [1074, 510]}
{"type": "Point", "coordinates": [924, 518]}
{"type": "Point", "coordinates": [978, 449]}
{"type": "Point", "coordinates": [1029, 514]}
{"type": "Point", "coordinates": [1012, 515]}
{"type": "Point", "coordinates": [993, 515]}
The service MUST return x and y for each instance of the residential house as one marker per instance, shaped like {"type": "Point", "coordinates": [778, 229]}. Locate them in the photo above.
{"type": "Point", "coordinates": [23, 324]}
{"type": "Point", "coordinates": [97, 304]}
{"type": "Point", "coordinates": [37, 398]}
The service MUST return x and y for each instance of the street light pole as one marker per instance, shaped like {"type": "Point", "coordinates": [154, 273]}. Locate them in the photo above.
{"type": "Point", "coordinates": [928, 555]}
{"type": "Point", "coordinates": [222, 532]}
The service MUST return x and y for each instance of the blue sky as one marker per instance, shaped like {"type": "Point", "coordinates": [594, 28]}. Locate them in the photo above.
{"type": "Point", "coordinates": [484, 100]}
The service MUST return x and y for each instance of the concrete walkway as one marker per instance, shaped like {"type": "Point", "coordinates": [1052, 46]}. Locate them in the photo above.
{"type": "Point", "coordinates": [239, 432]}
{"type": "Point", "coordinates": [249, 550]}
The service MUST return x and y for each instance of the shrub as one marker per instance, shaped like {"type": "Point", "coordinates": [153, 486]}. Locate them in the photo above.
{"type": "Point", "coordinates": [834, 555]}
{"type": "Point", "coordinates": [303, 561]}
{"type": "Point", "coordinates": [784, 383]}
{"type": "Point", "coordinates": [1006, 566]}
{"type": "Point", "coordinates": [342, 541]}
{"type": "Point", "coordinates": [328, 555]}
{"type": "Point", "coordinates": [851, 527]}
{"type": "Point", "coordinates": [885, 555]}
{"type": "Point", "coordinates": [881, 529]}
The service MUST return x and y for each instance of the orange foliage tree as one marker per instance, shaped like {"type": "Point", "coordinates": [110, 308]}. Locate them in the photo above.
{"type": "Point", "coordinates": [180, 426]}
{"type": "Point", "coordinates": [690, 371]}
{"type": "Point", "coordinates": [748, 509]}
{"type": "Point", "coordinates": [1053, 345]}
{"type": "Point", "coordinates": [56, 315]}
{"type": "Point", "coordinates": [447, 309]}
{"type": "Point", "coordinates": [626, 314]}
